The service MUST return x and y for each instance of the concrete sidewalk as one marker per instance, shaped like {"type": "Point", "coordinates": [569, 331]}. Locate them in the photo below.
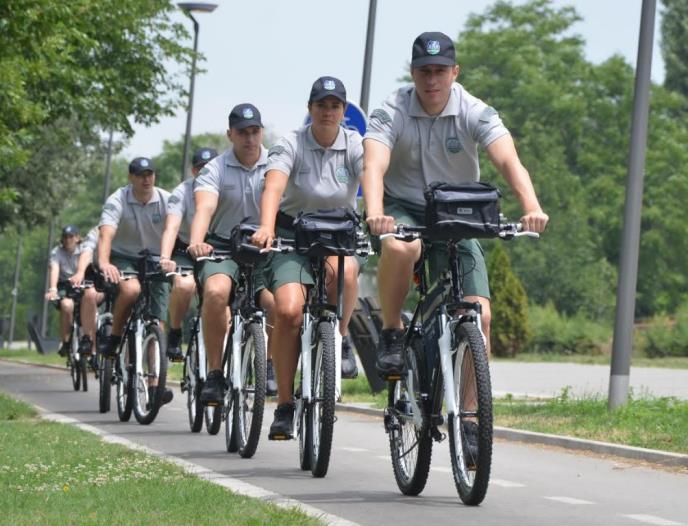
{"type": "Point", "coordinates": [548, 379]}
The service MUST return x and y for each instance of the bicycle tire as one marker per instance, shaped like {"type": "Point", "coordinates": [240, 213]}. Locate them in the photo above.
{"type": "Point", "coordinates": [214, 414]}
{"type": "Point", "coordinates": [471, 483]}
{"type": "Point", "coordinates": [104, 384]}
{"type": "Point", "coordinates": [74, 370]}
{"type": "Point", "coordinates": [124, 366]}
{"type": "Point", "coordinates": [146, 408]}
{"type": "Point", "coordinates": [231, 444]}
{"type": "Point", "coordinates": [304, 430]}
{"type": "Point", "coordinates": [410, 442]}
{"type": "Point", "coordinates": [322, 407]}
{"type": "Point", "coordinates": [249, 401]}
{"type": "Point", "coordinates": [194, 385]}
{"type": "Point", "coordinates": [83, 371]}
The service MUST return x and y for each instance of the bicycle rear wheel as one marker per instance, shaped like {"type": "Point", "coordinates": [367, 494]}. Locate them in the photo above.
{"type": "Point", "coordinates": [193, 385]}
{"type": "Point", "coordinates": [249, 401]}
{"type": "Point", "coordinates": [104, 384]}
{"type": "Point", "coordinates": [321, 412]}
{"type": "Point", "coordinates": [230, 430]}
{"type": "Point", "coordinates": [407, 424]}
{"type": "Point", "coordinates": [304, 428]}
{"type": "Point", "coordinates": [74, 370]}
{"type": "Point", "coordinates": [83, 371]}
{"type": "Point", "coordinates": [474, 400]}
{"type": "Point", "coordinates": [214, 414]}
{"type": "Point", "coordinates": [147, 397]}
{"type": "Point", "coordinates": [124, 367]}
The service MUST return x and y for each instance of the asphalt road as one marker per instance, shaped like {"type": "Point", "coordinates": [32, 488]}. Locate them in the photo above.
{"type": "Point", "coordinates": [530, 485]}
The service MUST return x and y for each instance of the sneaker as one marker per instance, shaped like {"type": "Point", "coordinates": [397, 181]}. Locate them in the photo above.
{"type": "Point", "coordinates": [174, 345]}
{"type": "Point", "coordinates": [270, 382]}
{"type": "Point", "coordinates": [213, 392]}
{"type": "Point", "coordinates": [109, 347]}
{"type": "Point", "coordinates": [167, 396]}
{"type": "Point", "coordinates": [85, 346]}
{"type": "Point", "coordinates": [469, 440]}
{"type": "Point", "coordinates": [349, 367]}
{"type": "Point", "coordinates": [390, 359]}
{"type": "Point", "coordinates": [64, 349]}
{"type": "Point", "coordinates": [282, 427]}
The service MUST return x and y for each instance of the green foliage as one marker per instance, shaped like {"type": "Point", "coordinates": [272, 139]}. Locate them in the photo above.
{"type": "Point", "coordinates": [168, 163]}
{"type": "Point", "coordinates": [675, 45]}
{"type": "Point", "coordinates": [556, 333]}
{"type": "Point", "coordinates": [510, 332]}
{"type": "Point", "coordinates": [664, 336]}
{"type": "Point", "coordinates": [71, 69]}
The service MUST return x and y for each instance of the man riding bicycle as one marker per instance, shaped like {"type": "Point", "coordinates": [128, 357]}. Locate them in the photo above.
{"type": "Point", "coordinates": [430, 131]}
{"type": "Point", "coordinates": [132, 221]}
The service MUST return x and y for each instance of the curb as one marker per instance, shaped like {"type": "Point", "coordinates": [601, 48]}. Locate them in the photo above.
{"type": "Point", "coordinates": [662, 458]}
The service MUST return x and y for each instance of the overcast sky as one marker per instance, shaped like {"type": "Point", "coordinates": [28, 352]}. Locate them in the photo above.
{"type": "Point", "coordinates": [269, 52]}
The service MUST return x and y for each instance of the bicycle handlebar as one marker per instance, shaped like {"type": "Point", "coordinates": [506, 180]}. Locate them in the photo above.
{"type": "Point", "coordinates": [410, 233]}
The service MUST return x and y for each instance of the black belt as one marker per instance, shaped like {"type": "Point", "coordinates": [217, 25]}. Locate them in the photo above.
{"type": "Point", "coordinates": [180, 247]}
{"type": "Point", "coordinates": [285, 221]}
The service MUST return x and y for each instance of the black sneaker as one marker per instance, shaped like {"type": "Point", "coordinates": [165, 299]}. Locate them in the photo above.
{"type": "Point", "coordinates": [109, 347]}
{"type": "Point", "coordinates": [85, 346]}
{"type": "Point", "coordinates": [167, 396]}
{"type": "Point", "coordinates": [213, 392]}
{"type": "Point", "coordinates": [390, 359]}
{"type": "Point", "coordinates": [282, 427]}
{"type": "Point", "coordinates": [64, 349]}
{"type": "Point", "coordinates": [349, 367]}
{"type": "Point", "coordinates": [174, 345]}
{"type": "Point", "coordinates": [469, 440]}
{"type": "Point", "coordinates": [270, 383]}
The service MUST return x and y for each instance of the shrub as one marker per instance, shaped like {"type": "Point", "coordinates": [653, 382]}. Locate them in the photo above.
{"type": "Point", "coordinates": [664, 336]}
{"type": "Point", "coordinates": [556, 333]}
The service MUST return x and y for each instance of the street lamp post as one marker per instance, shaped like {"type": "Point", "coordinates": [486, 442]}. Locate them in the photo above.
{"type": "Point", "coordinates": [188, 7]}
{"type": "Point", "coordinates": [368, 59]}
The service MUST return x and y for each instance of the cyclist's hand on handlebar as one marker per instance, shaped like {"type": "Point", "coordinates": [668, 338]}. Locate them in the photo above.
{"type": "Point", "coordinates": [167, 264]}
{"type": "Point", "coordinates": [197, 250]}
{"type": "Point", "coordinates": [263, 237]}
{"type": "Point", "coordinates": [77, 279]}
{"type": "Point", "coordinates": [110, 272]}
{"type": "Point", "coordinates": [380, 224]}
{"type": "Point", "coordinates": [51, 295]}
{"type": "Point", "coordinates": [535, 221]}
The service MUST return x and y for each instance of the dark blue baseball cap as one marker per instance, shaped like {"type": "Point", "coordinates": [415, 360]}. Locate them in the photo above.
{"type": "Point", "coordinates": [70, 230]}
{"type": "Point", "coordinates": [202, 156]}
{"type": "Point", "coordinates": [327, 87]}
{"type": "Point", "coordinates": [141, 165]}
{"type": "Point", "coordinates": [244, 115]}
{"type": "Point", "coordinates": [433, 47]}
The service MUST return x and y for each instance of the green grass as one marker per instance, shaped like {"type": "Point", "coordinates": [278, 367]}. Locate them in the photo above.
{"type": "Point", "coordinates": [33, 356]}
{"type": "Point", "coordinates": [56, 474]}
{"type": "Point", "coordinates": [654, 423]}
{"type": "Point", "coordinates": [598, 359]}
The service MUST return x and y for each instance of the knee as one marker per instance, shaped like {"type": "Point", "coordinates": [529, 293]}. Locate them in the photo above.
{"type": "Point", "coordinates": [129, 290]}
{"type": "Point", "coordinates": [185, 285]}
{"type": "Point", "coordinates": [351, 273]}
{"type": "Point", "coordinates": [216, 296]}
{"type": "Point", "coordinates": [288, 315]}
{"type": "Point", "coordinates": [486, 318]}
{"type": "Point", "coordinates": [67, 306]}
{"type": "Point", "coordinates": [400, 252]}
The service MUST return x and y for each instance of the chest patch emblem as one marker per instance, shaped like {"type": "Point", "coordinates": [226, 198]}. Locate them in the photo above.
{"type": "Point", "coordinates": [156, 217]}
{"type": "Point", "coordinates": [173, 199]}
{"type": "Point", "coordinates": [454, 145]}
{"type": "Point", "coordinates": [342, 174]}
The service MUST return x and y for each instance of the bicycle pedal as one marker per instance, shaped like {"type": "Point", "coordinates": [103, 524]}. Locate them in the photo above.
{"type": "Point", "coordinates": [392, 377]}
{"type": "Point", "coordinates": [280, 437]}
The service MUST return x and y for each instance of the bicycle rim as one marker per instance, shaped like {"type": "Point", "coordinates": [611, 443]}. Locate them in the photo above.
{"type": "Point", "coordinates": [193, 386]}
{"type": "Point", "coordinates": [474, 400]}
{"type": "Point", "coordinates": [407, 425]}
{"type": "Point", "coordinates": [104, 384]}
{"type": "Point", "coordinates": [123, 380]}
{"type": "Point", "coordinates": [153, 375]}
{"type": "Point", "coordinates": [322, 408]}
{"type": "Point", "coordinates": [248, 408]}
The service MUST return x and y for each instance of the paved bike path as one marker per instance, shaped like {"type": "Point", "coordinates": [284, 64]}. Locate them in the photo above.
{"type": "Point", "coordinates": [530, 485]}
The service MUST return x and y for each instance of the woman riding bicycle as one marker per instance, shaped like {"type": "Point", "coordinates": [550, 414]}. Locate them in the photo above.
{"type": "Point", "coordinates": [317, 166]}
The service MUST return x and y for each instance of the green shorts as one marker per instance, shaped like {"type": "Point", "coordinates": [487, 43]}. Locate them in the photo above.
{"type": "Point", "coordinates": [230, 268]}
{"type": "Point", "coordinates": [182, 259]}
{"type": "Point", "coordinates": [471, 255]}
{"type": "Point", "coordinates": [159, 290]}
{"type": "Point", "coordinates": [292, 267]}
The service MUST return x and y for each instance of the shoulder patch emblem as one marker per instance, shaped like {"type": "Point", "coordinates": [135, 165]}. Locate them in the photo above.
{"type": "Point", "coordinates": [109, 206]}
{"type": "Point", "coordinates": [277, 149]}
{"type": "Point", "coordinates": [204, 170]}
{"type": "Point", "coordinates": [487, 114]}
{"type": "Point", "coordinates": [381, 115]}
{"type": "Point", "coordinates": [173, 199]}
{"type": "Point", "coordinates": [454, 145]}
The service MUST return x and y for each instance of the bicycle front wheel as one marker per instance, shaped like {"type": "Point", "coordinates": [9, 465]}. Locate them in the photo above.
{"type": "Point", "coordinates": [124, 367]}
{"type": "Point", "coordinates": [193, 386]}
{"type": "Point", "coordinates": [321, 412]}
{"type": "Point", "coordinates": [104, 384]}
{"type": "Point", "coordinates": [470, 432]}
{"type": "Point", "coordinates": [249, 401]}
{"type": "Point", "coordinates": [149, 382]}
{"type": "Point", "coordinates": [83, 371]}
{"type": "Point", "coordinates": [407, 424]}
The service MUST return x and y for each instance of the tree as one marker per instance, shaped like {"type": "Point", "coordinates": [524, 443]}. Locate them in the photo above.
{"type": "Point", "coordinates": [100, 64]}
{"type": "Point", "coordinates": [675, 45]}
{"type": "Point", "coordinates": [509, 331]}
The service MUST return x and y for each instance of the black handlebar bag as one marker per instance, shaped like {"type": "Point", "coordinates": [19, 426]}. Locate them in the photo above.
{"type": "Point", "coordinates": [241, 245]}
{"type": "Point", "coordinates": [327, 232]}
{"type": "Point", "coordinates": [462, 211]}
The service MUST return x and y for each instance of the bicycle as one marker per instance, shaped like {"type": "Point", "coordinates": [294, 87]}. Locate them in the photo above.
{"type": "Point", "coordinates": [244, 360]}
{"type": "Point", "coordinates": [446, 368]}
{"type": "Point", "coordinates": [103, 332]}
{"type": "Point", "coordinates": [319, 235]}
{"type": "Point", "coordinates": [76, 359]}
{"type": "Point", "coordinates": [133, 375]}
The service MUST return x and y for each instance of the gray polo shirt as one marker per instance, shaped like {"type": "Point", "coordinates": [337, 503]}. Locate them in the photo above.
{"type": "Point", "coordinates": [238, 187]}
{"type": "Point", "coordinates": [181, 203]}
{"type": "Point", "coordinates": [318, 177]}
{"type": "Point", "coordinates": [66, 261]}
{"type": "Point", "coordinates": [90, 243]}
{"type": "Point", "coordinates": [426, 149]}
{"type": "Point", "coordinates": [138, 226]}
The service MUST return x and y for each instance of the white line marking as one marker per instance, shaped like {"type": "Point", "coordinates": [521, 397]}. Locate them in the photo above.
{"type": "Point", "coordinates": [383, 457]}
{"type": "Point", "coordinates": [440, 469]}
{"type": "Point", "coordinates": [651, 519]}
{"type": "Point", "coordinates": [235, 485]}
{"type": "Point", "coordinates": [569, 500]}
{"type": "Point", "coordinates": [506, 483]}
{"type": "Point", "coordinates": [354, 449]}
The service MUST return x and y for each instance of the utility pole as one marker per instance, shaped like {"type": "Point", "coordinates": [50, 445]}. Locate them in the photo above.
{"type": "Point", "coordinates": [44, 313]}
{"type": "Point", "coordinates": [15, 287]}
{"type": "Point", "coordinates": [108, 169]}
{"type": "Point", "coordinates": [368, 57]}
{"type": "Point", "coordinates": [630, 242]}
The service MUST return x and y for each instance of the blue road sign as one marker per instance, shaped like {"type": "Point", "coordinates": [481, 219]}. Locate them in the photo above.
{"type": "Point", "coordinates": [354, 118]}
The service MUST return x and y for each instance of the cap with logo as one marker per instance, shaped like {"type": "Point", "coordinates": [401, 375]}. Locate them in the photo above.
{"type": "Point", "coordinates": [141, 165]}
{"type": "Point", "coordinates": [327, 87]}
{"type": "Point", "coordinates": [433, 48]}
{"type": "Point", "coordinates": [70, 230]}
{"type": "Point", "coordinates": [244, 115]}
{"type": "Point", "coordinates": [202, 156]}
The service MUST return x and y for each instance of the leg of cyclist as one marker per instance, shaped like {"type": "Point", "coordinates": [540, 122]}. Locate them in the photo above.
{"type": "Point", "coordinates": [89, 310]}
{"type": "Point", "coordinates": [267, 303]}
{"type": "Point", "coordinates": [66, 316]}
{"type": "Point", "coordinates": [129, 291]}
{"type": "Point", "coordinates": [351, 269]}
{"type": "Point", "coordinates": [217, 289]}
{"type": "Point", "coordinates": [182, 291]}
